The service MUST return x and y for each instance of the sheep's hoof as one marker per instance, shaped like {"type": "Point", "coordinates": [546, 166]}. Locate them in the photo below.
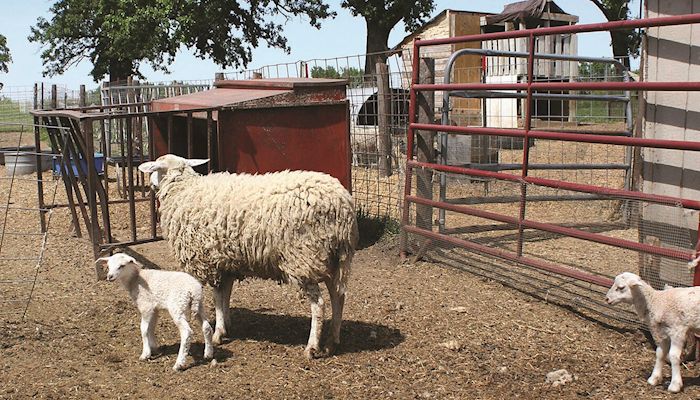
{"type": "Point", "coordinates": [145, 357]}
{"type": "Point", "coordinates": [674, 387]}
{"type": "Point", "coordinates": [654, 380]}
{"type": "Point", "coordinates": [179, 367]}
{"type": "Point", "coordinates": [329, 349]}
{"type": "Point", "coordinates": [218, 337]}
{"type": "Point", "coordinates": [311, 353]}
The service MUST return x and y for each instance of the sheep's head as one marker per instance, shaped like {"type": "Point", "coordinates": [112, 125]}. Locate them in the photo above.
{"type": "Point", "coordinates": [165, 163]}
{"type": "Point", "coordinates": [621, 290]}
{"type": "Point", "coordinates": [116, 264]}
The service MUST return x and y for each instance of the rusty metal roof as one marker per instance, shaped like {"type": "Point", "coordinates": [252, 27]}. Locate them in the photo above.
{"type": "Point", "coordinates": [231, 92]}
{"type": "Point", "coordinates": [217, 97]}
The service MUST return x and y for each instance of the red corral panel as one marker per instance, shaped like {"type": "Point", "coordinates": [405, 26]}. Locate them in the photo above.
{"type": "Point", "coordinates": [314, 138]}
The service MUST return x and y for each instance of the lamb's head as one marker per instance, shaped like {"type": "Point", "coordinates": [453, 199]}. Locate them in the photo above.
{"type": "Point", "coordinates": [167, 163]}
{"type": "Point", "coordinates": [119, 266]}
{"type": "Point", "coordinates": [621, 289]}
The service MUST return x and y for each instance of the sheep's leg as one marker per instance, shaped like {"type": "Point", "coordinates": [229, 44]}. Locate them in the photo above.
{"type": "Point", "coordinates": [662, 350]}
{"type": "Point", "coordinates": [185, 340]}
{"type": "Point", "coordinates": [148, 320]}
{"type": "Point", "coordinates": [222, 303]}
{"type": "Point", "coordinates": [226, 302]}
{"type": "Point", "coordinates": [152, 340]}
{"type": "Point", "coordinates": [313, 294]}
{"type": "Point", "coordinates": [206, 331]}
{"type": "Point", "coordinates": [337, 304]}
{"type": "Point", "coordinates": [674, 356]}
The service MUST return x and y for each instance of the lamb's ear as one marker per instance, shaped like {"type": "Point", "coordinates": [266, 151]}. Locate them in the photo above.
{"type": "Point", "coordinates": [193, 162]}
{"type": "Point", "coordinates": [101, 259]}
{"type": "Point", "coordinates": [151, 166]}
{"type": "Point", "coordinates": [133, 260]}
{"type": "Point", "coordinates": [634, 281]}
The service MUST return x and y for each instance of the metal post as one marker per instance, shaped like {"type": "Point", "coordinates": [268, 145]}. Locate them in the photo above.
{"type": "Point", "coordinates": [409, 146]}
{"type": "Point", "coordinates": [425, 151]}
{"type": "Point", "coordinates": [526, 142]}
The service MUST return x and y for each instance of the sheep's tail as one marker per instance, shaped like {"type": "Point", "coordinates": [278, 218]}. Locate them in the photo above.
{"type": "Point", "coordinates": [342, 273]}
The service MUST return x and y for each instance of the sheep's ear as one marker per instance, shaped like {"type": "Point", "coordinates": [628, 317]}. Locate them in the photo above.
{"type": "Point", "coordinates": [138, 264]}
{"type": "Point", "coordinates": [101, 259]}
{"type": "Point", "coordinates": [193, 162]}
{"type": "Point", "coordinates": [151, 166]}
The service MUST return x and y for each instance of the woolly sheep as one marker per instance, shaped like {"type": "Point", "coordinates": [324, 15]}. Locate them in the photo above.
{"type": "Point", "coordinates": [296, 227]}
{"type": "Point", "coordinates": [153, 290]}
{"type": "Point", "coordinates": [672, 315]}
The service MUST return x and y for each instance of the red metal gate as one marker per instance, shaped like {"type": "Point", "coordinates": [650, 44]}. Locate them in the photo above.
{"type": "Point", "coordinates": [527, 133]}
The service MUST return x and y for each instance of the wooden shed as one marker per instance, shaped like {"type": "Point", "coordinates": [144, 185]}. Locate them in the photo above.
{"type": "Point", "coordinates": [671, 55]}
{"type": "Point", "coordinates": [261, 125]}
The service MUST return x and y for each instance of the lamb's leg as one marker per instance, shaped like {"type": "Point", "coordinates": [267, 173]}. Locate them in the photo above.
{"type": "Point", "coordinates": [206, 331]}
{"type": "Point", "coordinates": [185, 340]}
{"type": "Point", "coordinates": [313, 294]}
{"type": "Point", "coordinates": [337, 304]}
{"type": "Point", "coordinates": [662, 350]}
{"type": "Point", "coordinates": [674, 356]}
{"type": "Point", "coordinates": [222, 302]}
{"type": "Point", "coordinates": [152, 340]}
{"type": "Point", "coordinates": [147, 325]}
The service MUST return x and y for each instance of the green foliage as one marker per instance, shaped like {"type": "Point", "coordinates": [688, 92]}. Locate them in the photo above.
{"type": "Point", "coordinates": [117, 36]}
{"type": "Point", "coordinates": [354, 75]}
{"type": "Point", "coordinates": [5, 57]}
{"type": "Point", "coordinates": [625, 42]}
{"type": "Point", "coordinates": [597, 71]}
{"type": "Point", "coordinates": [381, 16]}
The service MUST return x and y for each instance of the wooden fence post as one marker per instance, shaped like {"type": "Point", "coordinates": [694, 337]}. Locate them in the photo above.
{"type": "Point", "coordinates": [54, 97]}
{"type": "Point", "coordinates": [81, 97]}
{"type": "Point", "coordinates": [383, 119]}
{"type": "Point", "coordinates": [425, 150]}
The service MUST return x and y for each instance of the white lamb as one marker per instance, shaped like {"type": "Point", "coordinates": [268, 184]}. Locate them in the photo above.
{"type": "Point", "coordinates": [672, 315]}
{"type": "Point", "coordinates": [153, 290]}
{"type": "Point", "coordinates": [296, 227]}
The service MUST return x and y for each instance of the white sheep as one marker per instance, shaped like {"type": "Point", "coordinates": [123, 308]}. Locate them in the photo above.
{"type": "Point", "coordinates": [672, 315]}
{"type": "Point", "coordinates": [296, 227]}
{"type": "Point", "coordinates": [153, 290]}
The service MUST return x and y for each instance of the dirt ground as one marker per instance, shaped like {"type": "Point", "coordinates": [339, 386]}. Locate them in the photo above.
{"type": "Point", "coordinates": [412, 330]}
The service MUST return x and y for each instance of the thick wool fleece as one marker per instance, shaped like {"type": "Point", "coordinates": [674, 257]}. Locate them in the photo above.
{"type": "Point", "coordinates": [290, 226]}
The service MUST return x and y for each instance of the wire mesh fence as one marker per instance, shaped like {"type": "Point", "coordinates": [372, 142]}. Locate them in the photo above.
{"type": "Point", "coordinates": [23, 220]}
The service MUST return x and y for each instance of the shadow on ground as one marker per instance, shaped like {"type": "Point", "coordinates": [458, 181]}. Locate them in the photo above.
{"type": "Point", "coordinates": [355, 336]}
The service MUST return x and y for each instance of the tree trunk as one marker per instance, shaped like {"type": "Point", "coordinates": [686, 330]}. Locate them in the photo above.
{"type": "Point", "coordinates": [119, 72]}
{"type": "Point", "coordinates": [620, 47]}
{"type": "Point", "coordinates": [377, 38]}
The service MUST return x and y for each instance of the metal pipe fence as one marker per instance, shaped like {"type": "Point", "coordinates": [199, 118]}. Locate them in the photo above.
{"type": "Point", "coordinates": [522, 219]}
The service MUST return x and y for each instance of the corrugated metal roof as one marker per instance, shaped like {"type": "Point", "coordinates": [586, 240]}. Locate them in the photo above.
{"type": "Point", "coordinates": [231, 92]}
{"type": "Point", "coordinates": [217, 97]}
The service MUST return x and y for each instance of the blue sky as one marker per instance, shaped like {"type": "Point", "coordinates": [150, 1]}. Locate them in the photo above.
{"type": "Point", "coordinates": [343, 36]}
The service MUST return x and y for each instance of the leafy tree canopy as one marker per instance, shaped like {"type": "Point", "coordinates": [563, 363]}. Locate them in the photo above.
{"type": "Point", "coordinates": [625, 42]}
{"type": "Point", "coordinates": [354, 75]}
{"type": "Point", "coordinates": [5, 57]}
{"type": "Point", "coordinates": [117, 36]}
{"type": "Point", "coordinates": [381, 16]}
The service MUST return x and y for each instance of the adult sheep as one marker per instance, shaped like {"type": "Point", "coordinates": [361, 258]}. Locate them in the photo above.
{"type": "Point", "coordinates": [297, 227]}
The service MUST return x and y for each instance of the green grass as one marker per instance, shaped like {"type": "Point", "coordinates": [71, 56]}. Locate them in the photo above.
{"type": "Point", "coordinates": [11, 114]}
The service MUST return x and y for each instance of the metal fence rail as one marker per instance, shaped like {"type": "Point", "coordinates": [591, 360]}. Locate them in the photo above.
{"type": "Point", "coordinates": [516, 219]}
